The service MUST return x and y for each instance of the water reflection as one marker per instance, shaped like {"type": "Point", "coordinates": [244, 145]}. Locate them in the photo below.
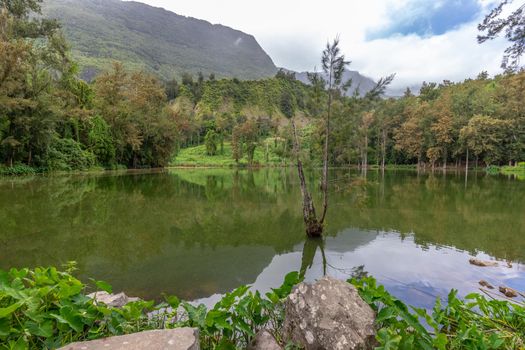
{"type": "Point", "coordinates": [197, 233]}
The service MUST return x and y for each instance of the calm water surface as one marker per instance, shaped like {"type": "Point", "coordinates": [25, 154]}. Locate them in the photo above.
{"type": "Point", "coordinates": [200, 233]}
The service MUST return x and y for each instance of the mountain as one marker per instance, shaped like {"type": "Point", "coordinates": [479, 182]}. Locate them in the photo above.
{"type": "Point", "coordinates": [364, 84]}
{"type": "Point", "coordinates": [142, 36]}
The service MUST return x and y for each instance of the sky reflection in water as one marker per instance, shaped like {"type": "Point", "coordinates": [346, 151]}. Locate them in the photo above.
{"type": "Point", "coordinates": [201, 233]}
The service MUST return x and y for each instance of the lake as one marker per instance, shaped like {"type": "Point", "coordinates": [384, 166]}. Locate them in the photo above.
{"type": "Point", "coordinates": [198, 233]}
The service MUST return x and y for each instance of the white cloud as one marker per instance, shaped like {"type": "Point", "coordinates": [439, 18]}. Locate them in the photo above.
{"type": "Point", "coordinates": [294, 32]}
{"type": "Point", "coordinates": [454, 55]}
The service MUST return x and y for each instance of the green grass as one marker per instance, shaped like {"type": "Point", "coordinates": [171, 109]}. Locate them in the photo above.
{"type": "Point", "coordinates": [518, 170]}
{"type": "Point", "coordinates": [197, 157]}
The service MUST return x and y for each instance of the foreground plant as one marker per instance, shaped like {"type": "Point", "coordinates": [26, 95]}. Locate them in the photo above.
{"type": "Point", "coordinates": [473, 323]}
{"type": "Point", "coordinates": [46, 309]}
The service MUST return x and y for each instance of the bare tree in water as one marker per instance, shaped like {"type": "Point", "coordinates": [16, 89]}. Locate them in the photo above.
{"type": "Point", "coordinates": [334, 64]}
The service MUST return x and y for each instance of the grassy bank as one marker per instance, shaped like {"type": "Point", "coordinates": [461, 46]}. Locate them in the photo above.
{"type": "Point", "coordinates": [518, 170]}
{"type": "Point", "coordinates": [197, 157]}
{"type": "Point", "coordinates": [47, 308]}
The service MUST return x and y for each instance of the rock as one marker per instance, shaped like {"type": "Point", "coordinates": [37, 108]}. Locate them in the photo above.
{"type": "Point", "coordinates": [486, 284]}
{"type": "Point", "coordinates": [482, 263]}
{"type": "Point", "coordinates": [329, 314]}
{"type": "Point", "coordinates": [114, 300]}
{"type": "Point", "coordinates": [168, 339]}
{"type": "Point", "coordinates": [509, 292]}
{"type": "Point", "coordinates": [264, 341]}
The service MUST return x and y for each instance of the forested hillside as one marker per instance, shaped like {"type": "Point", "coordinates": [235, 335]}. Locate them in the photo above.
{"type": "Point", "coordinates": [479, 119]}
{"type": "Point", "coordinates": [52, 120]}
{"type": "Point", "coordinates": [482, 120]}
{"type": "Point", "coordinates": [159, 41]}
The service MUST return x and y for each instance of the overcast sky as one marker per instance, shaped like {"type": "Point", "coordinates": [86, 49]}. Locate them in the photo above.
{"type": "Point", "coordinates": [418, 40]}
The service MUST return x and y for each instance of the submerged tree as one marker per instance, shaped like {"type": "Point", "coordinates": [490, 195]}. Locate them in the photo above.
{"type": "Point", "coordinates": [334, 64]}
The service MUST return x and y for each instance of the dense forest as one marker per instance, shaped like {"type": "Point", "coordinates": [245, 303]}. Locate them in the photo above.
{"type": "Point", "coordinates": [52, 120]}
{"type": "Point", "coordinates": [481, 119]}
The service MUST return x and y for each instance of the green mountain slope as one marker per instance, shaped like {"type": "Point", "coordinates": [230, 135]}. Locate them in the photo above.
{"type": "Point", "coordinates": [141, 36]}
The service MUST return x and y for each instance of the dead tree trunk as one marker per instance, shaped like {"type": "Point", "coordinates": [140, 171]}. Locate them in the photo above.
{"type": "Point", "coordinates": [324, 184]}
{"type": "Point", "coordinates": [383, 150]}
{"type": "Point", "coordinates": [314, 228]}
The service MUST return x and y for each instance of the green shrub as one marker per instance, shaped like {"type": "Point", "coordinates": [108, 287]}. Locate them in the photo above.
{"type": "Point", "coordinates": [67, 155]}
{"type": "Point", "coordinates": [473, 323]}
{"type": "Point", "coordinates": [46, 308]}
{"type": "Point", "coordinates": [493, 170]}
{"type": "Point", "coordinates": [18, 170]}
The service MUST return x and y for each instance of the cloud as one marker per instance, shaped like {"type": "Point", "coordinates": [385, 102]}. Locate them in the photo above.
{"type": "Point", "coordinates": [427, 18]}
{"type": "Point", "coordinates": [419, 40]}
{"type": "Point", "coordinates": [454, 55]}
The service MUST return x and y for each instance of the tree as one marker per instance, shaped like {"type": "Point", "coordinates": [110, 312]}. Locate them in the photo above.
{"type": "Point", "coordinates": [333, 63]}
{"type": "Point", "coordinates": [34, 73]}
{"type": "Point", "coordinates": [100, 141]}
{"type": "Point", "coordinates": [409, 136]}
{"type": "Point", "coordinates": [210, 141]}
{"type": "Point", "coordinates": [133, 105]}
{"type": "Point", "coordinates": [286, 104]}
{"type": "Point", "coordinates": [485, 137]}
{"type": "Point", "coordinates": [236, 144]}
{"type": "Point", "coordinates": [513, 26]}
{"type": "Point", "coordinates": [443, 128]}
{"type": "Point", "coordinates": [366, 121]}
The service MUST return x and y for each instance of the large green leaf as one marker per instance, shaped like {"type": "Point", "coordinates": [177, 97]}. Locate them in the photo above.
{"type": "Point", "coordinates": [101, 285]}
{"type": "Point", "coordinates": [71, 318]}
{"type": "Point", "coordinates": [7, 311]}
{"type": "Point", "coordinates": [44, 329]}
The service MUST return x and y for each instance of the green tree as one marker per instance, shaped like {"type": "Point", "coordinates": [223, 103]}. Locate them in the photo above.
{"type": "Point", "coordinates": [210, 141]}
{"type": "Point", "coordinates": [514, 27]}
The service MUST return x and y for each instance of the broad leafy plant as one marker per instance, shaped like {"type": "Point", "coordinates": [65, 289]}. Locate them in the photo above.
{"type": "Point", "coordinates": [45, 308]}
{"type": "Point", "coordinates": [473, 323]}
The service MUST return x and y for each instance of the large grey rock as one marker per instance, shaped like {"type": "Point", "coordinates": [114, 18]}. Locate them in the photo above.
{"type": "Point", "coordinates": [168, 339]}
{"type": "Point", "coordinates": [114, 300]}
{"type": "Point", "coordinates": [329, 314]}
{"type": "Point", "coordinates": [264, 341]}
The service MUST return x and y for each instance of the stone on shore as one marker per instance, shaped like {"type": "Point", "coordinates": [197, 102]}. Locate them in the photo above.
{"type": "Point", "coordinates": [113, 300]}
{"type": "Point", "coordinates": [329, 314]}
{"type": "Point", "coordinates": [264, 341]}
{"type": "Point", "coordinates": [168, 339]}
{"type": "Point", "coordinates": [482, 263]}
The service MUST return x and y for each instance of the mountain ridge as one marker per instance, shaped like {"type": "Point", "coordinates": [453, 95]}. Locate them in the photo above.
{"type": "Point", "coordinates": [359, 81]}
{"type": "Point", "coordinates": [161, 41]}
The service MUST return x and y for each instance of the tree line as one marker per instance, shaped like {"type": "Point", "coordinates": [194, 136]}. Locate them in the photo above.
{"type": "Point", "coordinates": [477, 120]}
{"type": "Point", "coordinates": [51, 119]}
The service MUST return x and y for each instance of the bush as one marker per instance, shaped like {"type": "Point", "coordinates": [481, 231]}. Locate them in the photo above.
{"type": "Point", "coordinates": [47, 308]}
{"type": "Point", "coordinates": [67, 155]}
{"type": "Point", "coordinates": [476, 323]}
{"type": "Point", "coordinates": [493, 170]}
{"type": "Point", "coordinates": [18, 170]}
